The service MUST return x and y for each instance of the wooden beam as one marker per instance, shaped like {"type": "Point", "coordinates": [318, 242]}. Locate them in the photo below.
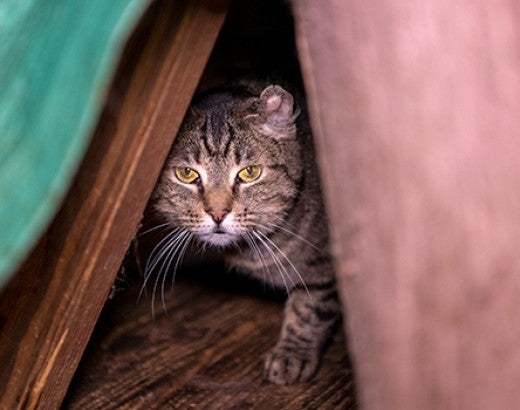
{"type": "Point", "coordinates": [49, 309]}
{"type": "Point", "coordinates": [415, 109]}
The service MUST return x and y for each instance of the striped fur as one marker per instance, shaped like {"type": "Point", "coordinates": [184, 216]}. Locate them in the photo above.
{"type": "Point", "coordinates": [273, 228]}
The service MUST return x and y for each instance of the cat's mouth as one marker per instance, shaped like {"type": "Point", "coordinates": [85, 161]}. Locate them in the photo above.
{"type": "Point", "coordinates": [219, 237]}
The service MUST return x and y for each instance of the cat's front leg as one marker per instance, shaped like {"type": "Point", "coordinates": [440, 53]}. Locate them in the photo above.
{"type": "Point", "coordinates": [309, 317]}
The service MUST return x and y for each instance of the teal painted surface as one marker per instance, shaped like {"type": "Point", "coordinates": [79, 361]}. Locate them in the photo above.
{"type": "Point", "coordinates": [56, 61]}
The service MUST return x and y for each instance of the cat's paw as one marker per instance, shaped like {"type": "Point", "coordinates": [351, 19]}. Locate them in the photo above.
{"type": "Point", "coordinates": [283, 367]}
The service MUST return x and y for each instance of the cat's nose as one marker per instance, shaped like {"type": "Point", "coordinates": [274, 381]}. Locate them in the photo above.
{"type": "Point", "coordinates": [218, 216]}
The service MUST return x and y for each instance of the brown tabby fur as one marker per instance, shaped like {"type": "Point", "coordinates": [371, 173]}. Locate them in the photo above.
{"type": "Point", "coordinates": [273, 228]}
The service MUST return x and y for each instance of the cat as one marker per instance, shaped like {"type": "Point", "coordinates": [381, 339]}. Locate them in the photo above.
{"type": "Point", "coordinates": [241, 177]}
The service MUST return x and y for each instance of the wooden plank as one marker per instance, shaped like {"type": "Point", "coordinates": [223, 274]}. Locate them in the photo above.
{"type": "Point", "coordinates": [415, 109]}
{"type": "Point", "coordinates": [49, 310]}
{"type": "Point", "coordinates": [205, 350]}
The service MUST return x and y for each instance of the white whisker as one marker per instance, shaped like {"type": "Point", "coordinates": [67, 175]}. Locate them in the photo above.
{"type": "Point", "coordinates": [293, 234]}
{"type": "Point", "coordinates": [290, 263]}
{"type": "Point", "coordinates": [277, 262]}
{"type": "Point", "coordinates": [152, 229]}
{"type": "Point", "coordinates": [169, 253]}
{"type": "Point", "coordinates": [256, 250]}
{"type": "Point", "coordinates": [187, 241]}
{"type": "Point", "coordinates": [156, 254]}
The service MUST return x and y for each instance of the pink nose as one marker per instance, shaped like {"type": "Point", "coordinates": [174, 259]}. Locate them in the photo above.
{"type": "Point", "coordinates": [218, 216]}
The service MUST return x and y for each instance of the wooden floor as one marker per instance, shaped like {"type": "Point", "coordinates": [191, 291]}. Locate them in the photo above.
{"type": "Point", "coordinates": [203, 351]}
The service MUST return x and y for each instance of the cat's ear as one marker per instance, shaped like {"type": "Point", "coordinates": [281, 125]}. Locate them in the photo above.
{"type": "Point", "coordinates": [277, 108]}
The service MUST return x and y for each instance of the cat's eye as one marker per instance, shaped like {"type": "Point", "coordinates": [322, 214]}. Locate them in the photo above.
{"type": "Point", "coordinates": [186, 175]}
{"type": "Point", "coordinates": [250, 173]}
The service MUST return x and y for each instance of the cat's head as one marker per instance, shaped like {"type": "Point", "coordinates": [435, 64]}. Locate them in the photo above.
{"type": "Point", "coordinates": [235, 168]}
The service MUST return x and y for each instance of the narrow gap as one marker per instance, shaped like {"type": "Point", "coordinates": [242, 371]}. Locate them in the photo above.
{"type": "Point", "coordinates": [206, 345]}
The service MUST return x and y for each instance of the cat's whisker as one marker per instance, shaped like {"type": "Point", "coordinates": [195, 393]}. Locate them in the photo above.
{"type": "Point", "coordinates": [168, 254]}
{"type": "Point", "coordinates": [293, 234]}
{"type": "Point", "coordinates": [155, 216]}
{"type": "Point", "coordinates": [187, 241]}
{"type": "Point", "coordinates": [290, 264]}
{"type": "Point", "coordinates": [303, 195]}
{"type": "Point", "coordinates": [169, 259]}
{"type": "Point", "coordinates": [158, 248]}
{"type": "Point", "coordinates": [155, 255]}
{"type": "Point", "coordinates": [140, 234]}
{"type": "Point", "coordinates": [236, 245]}
{"type": "Point", "coordinates": [165, 248]}
{"type": "Point", "coordinates": [178, 255]}
{"type": "Point", "coordinates": [173, 249]}
{"type": "Point", "coordinates": [281, 269]}
{"type": "Point", "coordinates": [256, 250]}
{"type": "Point", "coordinates": [283, 219]}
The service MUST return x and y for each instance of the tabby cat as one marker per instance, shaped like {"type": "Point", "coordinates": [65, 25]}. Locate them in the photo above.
{"type": "Point", "coordinates": [241, 177]}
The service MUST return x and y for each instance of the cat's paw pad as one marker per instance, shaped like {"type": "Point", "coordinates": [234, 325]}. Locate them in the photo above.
{"type": "Point", "coordinates": [282, 367]}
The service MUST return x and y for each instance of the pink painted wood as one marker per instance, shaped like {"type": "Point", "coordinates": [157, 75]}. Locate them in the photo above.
{"type": "Point", "coordinates": [415, 106]}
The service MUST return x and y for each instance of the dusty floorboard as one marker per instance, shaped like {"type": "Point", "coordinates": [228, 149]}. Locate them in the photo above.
{"type": "Point", "coordinates": [203, 351]}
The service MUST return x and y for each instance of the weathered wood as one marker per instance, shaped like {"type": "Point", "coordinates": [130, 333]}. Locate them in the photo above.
{"type": "Point", "coordinates": [415, 109]}
{"type": "Point", "coordinates": [49, 310]}
{"type": "Point", "coordinates": [204, 351]}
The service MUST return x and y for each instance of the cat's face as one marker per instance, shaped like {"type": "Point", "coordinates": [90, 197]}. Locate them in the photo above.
{"type": "Point", "coordinates": [235, 168]}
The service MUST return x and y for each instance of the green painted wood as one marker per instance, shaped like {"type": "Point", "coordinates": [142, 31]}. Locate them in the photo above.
{"type": "Point", "coordinates": [56, 60]}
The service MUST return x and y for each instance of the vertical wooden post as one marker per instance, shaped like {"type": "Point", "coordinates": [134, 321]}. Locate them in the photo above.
{"type": "Point", "coordinates": [49, 309]}
{"type": "Point", "coordinates": [415, 106]}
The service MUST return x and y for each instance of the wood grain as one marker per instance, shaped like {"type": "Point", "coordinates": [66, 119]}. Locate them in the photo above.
{"type": "Point", "coordinates": [48, 311]}
{"type": "Point", "coordinates": [415, 110]}
{"type": "Point", "coordinates": [205, 350]}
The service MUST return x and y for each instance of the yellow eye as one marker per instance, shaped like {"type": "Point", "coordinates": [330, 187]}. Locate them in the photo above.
{"type": "Point", "coordinates": [186, 175]}
{"type": "Point", "coordinates": [250, 173]}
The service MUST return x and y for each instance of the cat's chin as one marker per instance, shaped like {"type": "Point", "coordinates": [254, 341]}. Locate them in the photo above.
{"type": "Point", "coordinates": [221, 239]}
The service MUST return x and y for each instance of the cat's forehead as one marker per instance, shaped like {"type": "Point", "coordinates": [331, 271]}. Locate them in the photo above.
{"type": "Point", "coordinates": [216, 135]}
{"type": "Point", "coordinates": [216, 152]}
